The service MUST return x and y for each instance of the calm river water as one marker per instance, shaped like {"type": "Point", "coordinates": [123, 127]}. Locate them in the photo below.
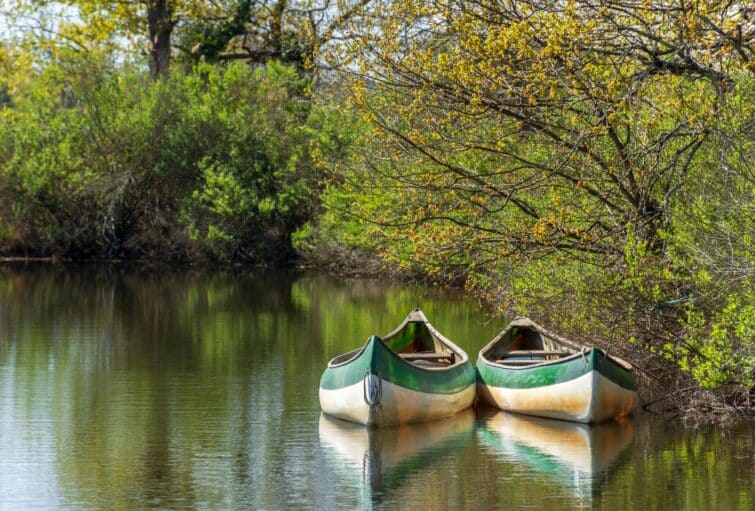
{"type": "Point", "coordinates": [133, 388]}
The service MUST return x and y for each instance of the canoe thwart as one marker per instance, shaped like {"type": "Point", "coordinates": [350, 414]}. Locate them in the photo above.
{"type": "Point", "coordinates": [429, 359]}
{"type": "Point", "coordinates": [427, 356]}
{"type": "Point", "coordinates": [539, 353]}
{"type": "Point", "coordinates": [520, 362]}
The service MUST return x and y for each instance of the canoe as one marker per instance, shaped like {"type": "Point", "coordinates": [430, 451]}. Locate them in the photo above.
{"type": "Point", "coordinates": [412, 374]}
{"type": "Point", "coordinates": [526, 369]}
{"type": "Point", "coordinates": [580, 457]}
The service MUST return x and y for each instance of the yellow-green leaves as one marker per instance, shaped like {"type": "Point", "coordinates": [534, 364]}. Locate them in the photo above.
{"type": "Point", "coordinates": [547, 151]}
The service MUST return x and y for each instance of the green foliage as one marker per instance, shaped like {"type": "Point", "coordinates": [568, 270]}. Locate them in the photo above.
{"type": "Point", "coordinates": [719, 349]}
{"type": "Point", "coordinates": [335, 128]}
{"type": "Point", "coordinates": [97, 160]}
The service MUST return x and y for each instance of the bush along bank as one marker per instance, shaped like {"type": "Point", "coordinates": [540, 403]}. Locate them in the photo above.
{"type": "Point", "coordinates": [99, 161]}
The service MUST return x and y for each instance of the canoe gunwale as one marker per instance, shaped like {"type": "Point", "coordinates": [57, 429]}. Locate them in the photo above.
{"type": "Point", "coordinates": [580, 349]}
{"type": "Point", "coordinates": [563, 369]}
{"type": "Point", "coordinates": [587, 355]}
{"type": "Point", "coordinates": [538, 364]}
{"type": "Point", "coordinates": [352, 355]}
{"type": "Point", "coordinates": [415, 316]}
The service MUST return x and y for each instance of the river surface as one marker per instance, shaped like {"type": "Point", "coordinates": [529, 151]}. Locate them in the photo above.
{"type": "Point", "coordinates": [129, 388]}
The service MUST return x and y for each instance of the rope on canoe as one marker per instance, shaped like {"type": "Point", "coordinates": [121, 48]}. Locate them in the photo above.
{"type": "Point", "coordinates": [372, 387]}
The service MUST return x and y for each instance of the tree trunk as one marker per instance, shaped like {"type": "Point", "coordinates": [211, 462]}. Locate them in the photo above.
{"type": "Point", "coordinates": [276, 26]}
{"type": "Point", "coordinates": [161, 23]}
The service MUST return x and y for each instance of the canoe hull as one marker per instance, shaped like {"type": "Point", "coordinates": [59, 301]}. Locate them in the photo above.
{"type": "Point", "coordinates": [375, 386]}
{"type": "Point", "coordinates": [398, 405]}
{"type": "Point", "coordinates": [591, 389]}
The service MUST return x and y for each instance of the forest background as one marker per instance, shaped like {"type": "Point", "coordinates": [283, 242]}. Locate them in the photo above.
{"type": "Point", "coordinates": [587, 163]}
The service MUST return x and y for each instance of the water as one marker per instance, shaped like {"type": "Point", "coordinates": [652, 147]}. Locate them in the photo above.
{"type": "Point", "coordinates": [137, 388]}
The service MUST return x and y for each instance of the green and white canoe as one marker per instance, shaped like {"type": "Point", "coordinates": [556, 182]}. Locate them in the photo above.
{"type": "Point", "coordinates": [413, 374]}
{"type": "Point", "coordinates": [526, 369]}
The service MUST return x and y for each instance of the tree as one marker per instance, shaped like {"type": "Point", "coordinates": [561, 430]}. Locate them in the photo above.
{"type": "Point", "coordinates": [540, 149]}
{"type": "Point", "coordinates": [617, 104]}
{"type": "Point", "coordinates": [291, 32]}
{"type": "Point", "coordinates": [144, 26]}
{"type": "Point", "coordinates": [160, 24]}
{"type": "Point", "coordinates": [255, 31]}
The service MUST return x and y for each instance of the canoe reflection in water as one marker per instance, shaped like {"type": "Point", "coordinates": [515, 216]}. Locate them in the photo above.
{"type": "Point", "coordinates": [382, 459]}
{"type": "Point", "coordinates": [581, 457]}
{"type": "Point", "coordinates": [394, 463]}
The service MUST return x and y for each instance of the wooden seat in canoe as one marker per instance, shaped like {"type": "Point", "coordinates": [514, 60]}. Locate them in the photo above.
{"type": "Point", "coordinates": [445, 358]}
{"type": "Point", "coordinates": [520, 362]}
{"type": "Point", "coordinates": [431, 363]}
{"type": "Point", "coordinates": [537, 353]}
